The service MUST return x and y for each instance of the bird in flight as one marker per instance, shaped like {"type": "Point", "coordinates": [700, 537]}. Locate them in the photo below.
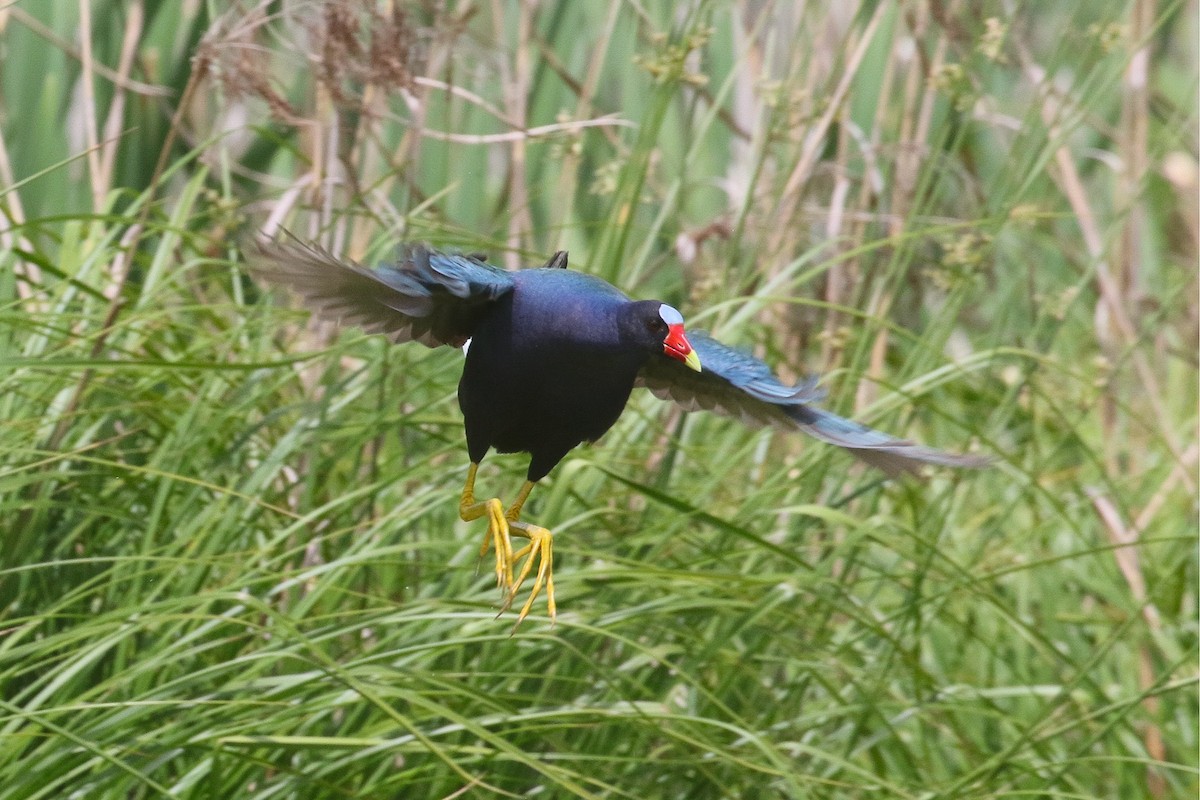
{"type": "Point", "coordinates": [554, 355]}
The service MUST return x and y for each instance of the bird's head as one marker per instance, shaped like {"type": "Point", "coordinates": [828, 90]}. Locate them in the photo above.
{"type": "Point", "coordinates": [659, 327]}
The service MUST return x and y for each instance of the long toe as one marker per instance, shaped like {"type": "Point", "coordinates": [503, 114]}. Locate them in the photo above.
{"type": "Point", "coordinates": [496, 536]}
{"type": "Point", "coordinates": [540, 550]}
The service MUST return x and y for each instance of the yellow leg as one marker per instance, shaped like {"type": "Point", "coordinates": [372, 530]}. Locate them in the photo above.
{"type": "Point", "coordinates": [539, 549]}
{"type": "Point", "coordinates": [514, 511]}
{"type": "Point", "coordinates": [497, 534]}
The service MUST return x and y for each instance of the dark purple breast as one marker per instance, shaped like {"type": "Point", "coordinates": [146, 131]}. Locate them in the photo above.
{"type": "Point", "coordinates": [546, 370]}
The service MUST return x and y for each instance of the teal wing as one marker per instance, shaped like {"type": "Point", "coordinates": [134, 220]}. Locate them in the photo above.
{"type": "Point", "coordinates": [737, 384]}
{"type": "Point", "coordinates": [428, 297]}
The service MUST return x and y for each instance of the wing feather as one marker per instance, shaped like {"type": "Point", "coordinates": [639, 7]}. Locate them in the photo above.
{"type": "Point", "coordinates": [739, 385]}
{"type": "Point", "coordinates": [730, 382]}
{"type": "Point", "coordinates": [428, 297]}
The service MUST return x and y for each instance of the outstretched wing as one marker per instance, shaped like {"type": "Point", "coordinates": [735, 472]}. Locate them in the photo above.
{"type": "Point", "coordinates": [428, 297]}
{"type": "Point", "coordinates": [737, 384]}
{"type": "Point", "coordinates": [729, 382]}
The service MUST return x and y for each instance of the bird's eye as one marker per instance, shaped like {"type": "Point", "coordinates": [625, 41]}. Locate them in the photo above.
{"type": "Point", "coordinates": [656, 325]}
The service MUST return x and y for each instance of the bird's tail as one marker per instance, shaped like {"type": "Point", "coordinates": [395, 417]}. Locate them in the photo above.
{"type": "Point", "coordinates": [893, 456]}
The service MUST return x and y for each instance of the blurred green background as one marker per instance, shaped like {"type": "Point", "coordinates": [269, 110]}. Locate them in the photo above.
{"type": "Point", "coordinates": [233, 564]}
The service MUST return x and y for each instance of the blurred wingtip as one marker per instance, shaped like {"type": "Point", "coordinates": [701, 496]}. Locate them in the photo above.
{"type": "Point", "coordinates": [908, 458]}
{"type": "Point", "coordinates": [893, 456]}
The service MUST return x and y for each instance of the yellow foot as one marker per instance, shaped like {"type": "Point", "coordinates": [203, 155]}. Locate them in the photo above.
{"type": "Point", "coordinates": [497, 534]}
{"type": "Point", "coordinates": [501, 524]}
{"type": "Point", "coordinates": [540, 549]}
